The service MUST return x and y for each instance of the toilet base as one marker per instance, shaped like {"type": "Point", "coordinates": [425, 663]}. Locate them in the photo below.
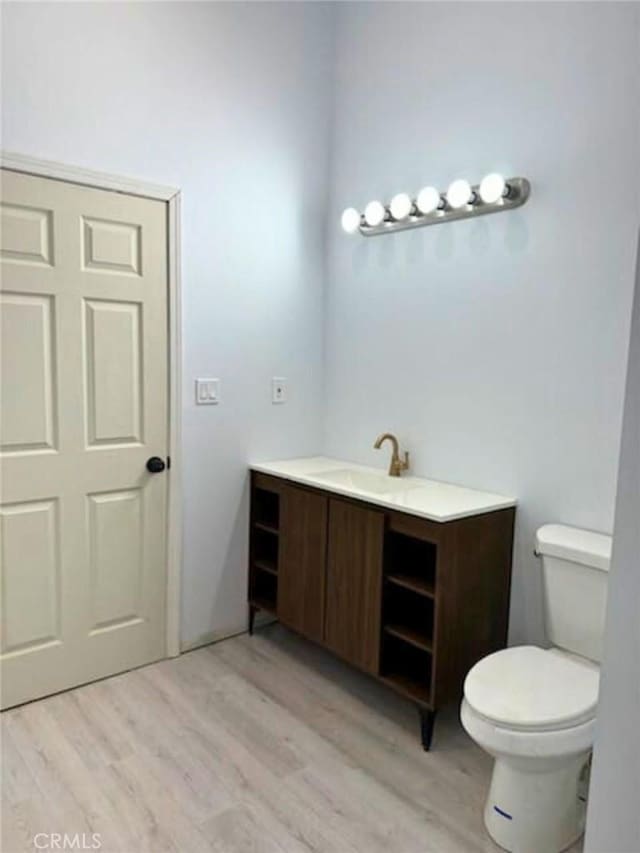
{"type": "Point", "coordinates": [537, 807]}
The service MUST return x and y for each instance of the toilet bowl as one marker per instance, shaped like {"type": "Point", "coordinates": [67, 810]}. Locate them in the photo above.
{"type": "Point", "coordinates": [534, 709]}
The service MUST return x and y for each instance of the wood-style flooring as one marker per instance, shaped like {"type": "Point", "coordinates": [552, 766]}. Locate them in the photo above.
{"type": "Point", "coordinates": [257, 744]}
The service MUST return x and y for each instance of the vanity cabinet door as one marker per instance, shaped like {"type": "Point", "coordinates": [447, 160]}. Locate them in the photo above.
{"type": "Point", "coordinates": [302, 561]}
{"type": "Point", "coordinates": [354, 583]}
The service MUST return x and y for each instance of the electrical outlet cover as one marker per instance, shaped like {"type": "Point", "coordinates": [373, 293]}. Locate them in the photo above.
{"type": "Point", "coordinates": [207, 392]}
{"type": "Point", "coordinates": [278, 389]}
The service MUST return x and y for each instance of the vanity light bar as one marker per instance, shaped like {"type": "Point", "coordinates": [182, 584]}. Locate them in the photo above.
{"type": "Point", "coordinates": [432, 207]}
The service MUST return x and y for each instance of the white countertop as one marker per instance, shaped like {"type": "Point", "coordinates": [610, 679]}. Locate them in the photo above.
{"type": "Point", "coordinates": [414, 495]}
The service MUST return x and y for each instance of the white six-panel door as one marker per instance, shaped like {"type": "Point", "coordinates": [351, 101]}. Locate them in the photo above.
{"type": "Point", "coordinates": [83, 405]}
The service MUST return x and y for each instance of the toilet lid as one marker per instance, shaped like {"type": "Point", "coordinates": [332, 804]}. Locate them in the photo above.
{"type": "Point", "coordinates": [526, 687]}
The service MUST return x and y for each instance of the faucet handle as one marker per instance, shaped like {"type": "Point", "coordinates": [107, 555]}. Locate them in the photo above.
{"type": "Point", "coordinates": [405, 461]}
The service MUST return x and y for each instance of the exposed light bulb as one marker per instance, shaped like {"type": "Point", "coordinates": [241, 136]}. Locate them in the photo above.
{"type": "Point", "coordinates": [350, 220]}
{"type": "Point", "coordinates": [428, 200]}
{"type": "Point", "coordinates": [492, 188]}
{"type": "Point", "coordinates": [459, 194]}
{"type": "Point", "coordinates": [374, 213]}
{"type": "Point", "coordinates": [401, 206]}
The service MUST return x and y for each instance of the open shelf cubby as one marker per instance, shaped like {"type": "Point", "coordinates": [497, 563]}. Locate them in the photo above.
{"type": "Point", "coordinates": [408, 609]}
{"type": "Point", "coordinates": [264, 591]}
{"type": "Point", "coordinates": [265, 550]}
{"type": "Point", "coordinates": [269, 566]}
{"type": "Point", "coordinates": [408, 617]}
{"type": "Point", "coordinates": [407, 668]}
{"type": "Point", "coordinates": [410, 563]}
{"type": "Point", "coordinates": [266, 510]}
{"type": "Point", "coordinates": [264, 544]}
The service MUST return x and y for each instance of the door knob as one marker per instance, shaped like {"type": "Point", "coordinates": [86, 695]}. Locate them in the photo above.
{"type": "Point", "coordinates": [155, 465]}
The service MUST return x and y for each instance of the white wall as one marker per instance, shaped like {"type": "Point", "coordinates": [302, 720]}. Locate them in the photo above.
{"type": "Point", "coordinates": [230, 103]}
{"type": "Point", "coordinates": [495, 348]}
{"type": "Point", "coordinates": [613, 822]}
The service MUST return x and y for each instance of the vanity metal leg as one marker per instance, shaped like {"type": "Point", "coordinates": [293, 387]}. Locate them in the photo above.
{"type": "Point", "coordinates": [427, 719]}
{"type": "Point", "coordinates": [252, 616]}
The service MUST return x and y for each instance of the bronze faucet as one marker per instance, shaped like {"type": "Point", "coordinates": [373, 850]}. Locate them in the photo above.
{"type": "Point", "coordinates": [397, 465]}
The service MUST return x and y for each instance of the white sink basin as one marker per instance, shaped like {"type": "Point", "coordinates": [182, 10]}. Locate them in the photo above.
{"type": "Point", "coordinates": [414, 495]}
{"type": "Point", "coordinates": [363, 481]}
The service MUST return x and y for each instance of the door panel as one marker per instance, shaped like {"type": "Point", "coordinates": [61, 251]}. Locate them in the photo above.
{"type": "Point", "coordinates": [114, 382]}
{"type": "Point", "coordinates": [115, 546]}
{"type": "Point", "coordinates": [84, 405]}
{"type": "Point", "coordinates": [302, 561]}
{"type": "Point", "coordinates": [354, 583]}
{"type": "Point", "coordinates": [27, 413]}
{"type": "Point", "coordinates": [31, 583]}
{"type": "Point", "coordinates": [111, 246]}
{"type": "Point", "coordinates": [27, 235]}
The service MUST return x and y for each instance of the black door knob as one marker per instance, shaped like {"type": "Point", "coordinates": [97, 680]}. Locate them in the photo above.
{"type": "Point", "coordinates": [155, 465]}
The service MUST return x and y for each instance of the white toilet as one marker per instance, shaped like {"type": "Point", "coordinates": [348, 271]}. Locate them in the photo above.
{"type": "Point", "coordinates": [534, 709]}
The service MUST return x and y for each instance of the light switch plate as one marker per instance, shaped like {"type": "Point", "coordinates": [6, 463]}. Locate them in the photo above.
{"type": "Point", "coordinates": [207, 392]}
{"type": "Point", "coordinates": [278, 389]}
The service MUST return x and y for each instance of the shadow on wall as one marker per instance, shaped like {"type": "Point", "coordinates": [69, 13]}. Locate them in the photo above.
{"type": "Point", "coordinates": [409, 249]}
{"type": "Point", "coordinates": [613, 820]}
{"type": "Point", "coordinates": [226, 593]}
{"type": "Point", "coordinates": [233, 579]}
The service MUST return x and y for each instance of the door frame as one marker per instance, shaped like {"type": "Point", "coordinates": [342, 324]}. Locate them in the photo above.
{"type": "Point", "coordinates": [172, 198]}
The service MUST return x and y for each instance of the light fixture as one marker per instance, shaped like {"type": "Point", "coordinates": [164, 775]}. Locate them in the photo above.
{"type": "Point", "coordinates": [374, 213]}
{"type": "Point", "coordinates": [459, 194]}
{"type": "Point", "coordinates": [493, 187]}
{"type": "Point", "coordinates": [350, 220]}
{"type": "Point", "coordinates": [428, 200]}
{"type": "Point", "coordinates": [432, 207]}
{"type": "Point", "coordinates": [400, 206]}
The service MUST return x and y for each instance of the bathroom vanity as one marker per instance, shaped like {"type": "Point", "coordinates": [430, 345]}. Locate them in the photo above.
{"type": "Point", "coordinates": [404, 578]}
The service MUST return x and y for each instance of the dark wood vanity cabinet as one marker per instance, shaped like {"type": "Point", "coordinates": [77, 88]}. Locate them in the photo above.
{"type": "Point", "coordinates": [302, 575]}
{"type": "Point", "coordinates": [354, 583]}
{"type": "Point", "coordinates": [410, 601]}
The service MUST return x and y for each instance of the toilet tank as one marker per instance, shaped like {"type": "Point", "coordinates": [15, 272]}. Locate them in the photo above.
{"type": "Point", "coordinates": [575, 567]}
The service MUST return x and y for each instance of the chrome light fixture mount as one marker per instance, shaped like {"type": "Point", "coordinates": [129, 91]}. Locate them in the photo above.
{"type": "Point", "coordinates": [515, 193]}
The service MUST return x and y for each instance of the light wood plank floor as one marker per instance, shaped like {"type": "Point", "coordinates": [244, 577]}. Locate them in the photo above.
{"type": "Point", "coordinates": [253, 745]}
